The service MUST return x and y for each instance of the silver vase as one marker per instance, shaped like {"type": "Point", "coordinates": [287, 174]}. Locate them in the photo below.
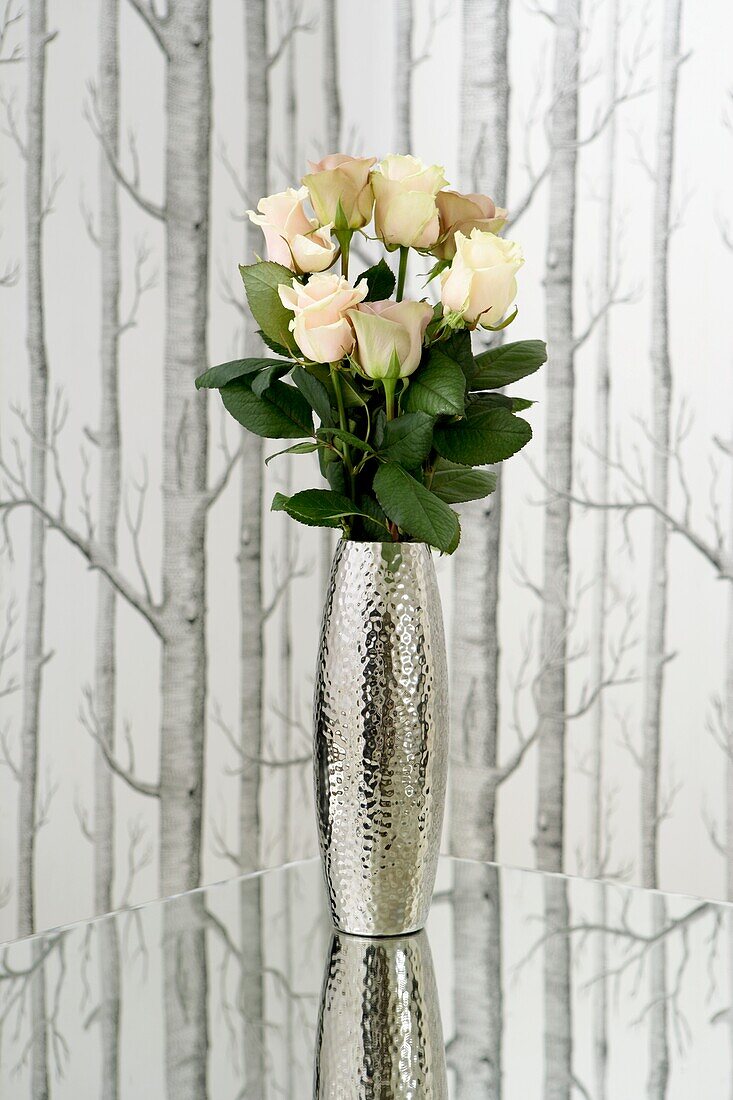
{"type": "Point", "coordinates": [381, 736]}
{"type": "Point", "coordinates": [379, 1030]}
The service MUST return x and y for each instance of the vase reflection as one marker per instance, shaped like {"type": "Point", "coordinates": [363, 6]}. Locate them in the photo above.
{"type": "Point", "coordinates": [379, 1029]}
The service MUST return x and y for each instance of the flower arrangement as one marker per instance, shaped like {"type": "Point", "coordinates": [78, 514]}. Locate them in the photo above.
{"type": "Point", "coordinates": [407, 415]}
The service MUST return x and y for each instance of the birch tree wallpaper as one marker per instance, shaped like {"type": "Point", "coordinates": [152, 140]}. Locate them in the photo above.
{"type": "Point", "coordinates": [159, 625]}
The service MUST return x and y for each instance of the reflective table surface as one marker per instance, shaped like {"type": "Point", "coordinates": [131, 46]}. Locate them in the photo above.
{"type": "Point", "coordinates": [523, 985]}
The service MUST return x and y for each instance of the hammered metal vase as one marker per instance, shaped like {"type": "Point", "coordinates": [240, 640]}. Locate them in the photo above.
{"type": "Point", "coordinates": [379, 1030]}
{"type": "Point", "coordinates": [381, 736]}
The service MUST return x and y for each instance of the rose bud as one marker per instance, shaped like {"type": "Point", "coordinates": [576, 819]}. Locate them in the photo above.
{"type": "Point", "coordinates": [480, 284]}
{"type": "Point", "coordinates": [405, 212]}
{"type": "Point", "coordinates": [463, 213]}
{"type": "Point", "coordinates": [321, 327]}
{"type": "Point", "coordinates": [390, 333]}
{"type": "Point", "coordinates": [292, 238]}
{"type": "Point", "coordinates": [341, 179]}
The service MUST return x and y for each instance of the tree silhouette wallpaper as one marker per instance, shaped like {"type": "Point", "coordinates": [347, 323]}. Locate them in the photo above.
{"type": "Point", "coordinates": [159, 624]}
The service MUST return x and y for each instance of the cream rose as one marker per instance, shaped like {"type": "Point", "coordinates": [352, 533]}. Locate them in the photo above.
{"type": "Point", "coordinates": [320, 326]}
{"type": "Point", "coordinates": [340, 178]}
{"type": "Point", "coordinates": [405, 210]}
{"type": "Point", "coordinates": [463, 213]}
{"type": "Point", "coordinates": [292, 238]}
{"type": "Point", "coordinates": [387, 332]}
{"type": "Point", "coordinates": [480, 284]}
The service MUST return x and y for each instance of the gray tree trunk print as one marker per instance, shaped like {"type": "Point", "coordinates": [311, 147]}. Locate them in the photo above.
{"type": "Point", "coordinates": [477, 1053]}
{"type": "Point", "coordinates": [183, 36]}
{"type": "Point", "coordinates": [483, 156]}
{"type": "Point", "coordinates": [599, 610]}
{"type": "Point", "coordinates": [558, 436]}
{"type": "Point", "coordinates": [331, 88]}
{"type": "Point", "coordinates": [403, 77]}
{"type": "Point", "coordinates": [558, 1039]}
{"type": "Point", "coordinates": [556, 563]}
{"type": "Point", "coordinates": [250, 584]}
{"type": "Point", "coordinates": [185, 32]}
{"type": "Point", "coordinates": [728, 703]}
{"type": "Point", "coordinates": [105, 673]}
{"type": "Point", "coordinates": [185, 497]}
{"type": "Point", "coordinates": [655, 643]}
{"type": "Point", "coordinates": [332, 103]}
{"type": "Point", "coordinates": [33, 648]}
{"type": "Point", "coordinates": [285, 691]}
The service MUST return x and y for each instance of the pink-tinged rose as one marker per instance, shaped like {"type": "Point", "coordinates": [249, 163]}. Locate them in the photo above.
{"type": "Point", "coordinates": [292, 238]}
{"type": "Point", "coordinates": [480, 284]}
{"type": "Point", "coordinates": [405, 210]}
{"type": "Point", "coordinates": [462, 213]}
{"type": "Point", "coordinates": [390, 333]}
{"type": "Point", "coordinates": [321, 327]}
{"type": "Point", "coordinates": [340, 178]}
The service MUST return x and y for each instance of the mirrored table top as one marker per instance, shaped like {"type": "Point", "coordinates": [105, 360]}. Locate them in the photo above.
{"type": "Point", "coordinates": [523, 985]}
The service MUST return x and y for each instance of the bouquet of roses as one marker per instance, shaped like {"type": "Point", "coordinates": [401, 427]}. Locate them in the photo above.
{"type": "Point", "coordinates": [407, 415]}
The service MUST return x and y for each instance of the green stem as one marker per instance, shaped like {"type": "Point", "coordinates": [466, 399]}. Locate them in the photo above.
{"type": "Point", "coordinates": [344, 426]}
{"type": "Point", "coordinates": [343, 236]}
{"type": "Point", "coordinates": [402, 273]}
{"type": "Point", "coordinates": [390, 384]}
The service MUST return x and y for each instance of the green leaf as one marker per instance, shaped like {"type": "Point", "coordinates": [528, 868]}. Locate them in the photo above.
{"type": "Point", "coordinates": [298, 449]}
{"type": "Point", "coordinates": [379, 423]}
{"type": "Point", "coordinates": [508, 363]}
{"type": "Point", "coordinates": [315, 394]}
{"type": "Point", "coordinates": [316, 507]}
{"type": "Point", "coordinates": [264, 378]}
{"type": "Point", "coordinates": [261, 281]}
{"type": "Point", "coordinates": [216, 377]}
{"type": "Point", "coordinates": [496, 401]}
{"type": "Point", "coordinates": [416, 510]}
{"type": "Point", "coordinates": [348, 437]}
{"type": "Point", "coordinates": [455, 484]}
{"type": "Point", "coordinates": [485, 435]}
{"type": "Point", "coordinates": [458, 349]}
{"type": "Point", "coordinates": [273, 344]}
{"type": "Point", "coordinates": [438, 386]}
{"type": "Point", "coordinates": [380, 281]}
{"type": "Point", "coordinates": [333, 469]}
{"type": "Point", "coordinates": [408, 439]}
{"type": "Point", "coordinates": [374, 522]}
{"type": "Point", "coordinates": [351, 391]}
{"type": "Point", "coordinates": [505, 401]}
{"type": "Point", "coordinates": [280, 413]}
